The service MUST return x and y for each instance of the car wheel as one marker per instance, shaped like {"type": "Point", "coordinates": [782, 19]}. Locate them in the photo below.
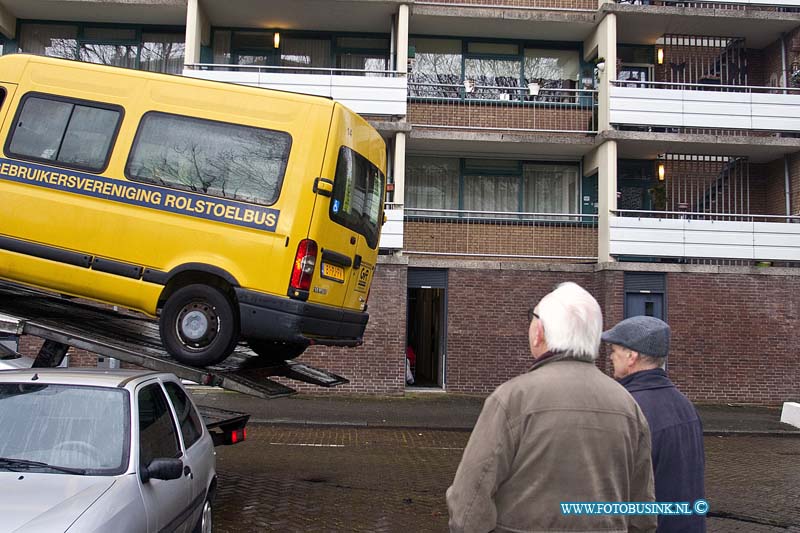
{"type": "Point", "coordinates": [205, 524]}
{"type": "Point", "coordinates": [275, 351]}
{"type": "Point", "coordinates": [199, 325]}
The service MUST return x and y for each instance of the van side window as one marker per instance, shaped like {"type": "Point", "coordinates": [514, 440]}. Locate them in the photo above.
{"type": "Point", "coordinates": [71, 133]}
{"type": "Point", "coordinates": [227, 160]}
{"type": "Point", "coordinates": [357, 194]}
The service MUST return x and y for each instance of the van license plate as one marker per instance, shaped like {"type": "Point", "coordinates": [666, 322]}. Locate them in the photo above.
{"type": "Point", "coordinates": [333, 272]}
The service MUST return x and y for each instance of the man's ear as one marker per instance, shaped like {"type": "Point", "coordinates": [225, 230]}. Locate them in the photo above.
{"type": "Point", "coordinates": [633, 358]}
{"type": "Point", "coordinates": [539, 333]}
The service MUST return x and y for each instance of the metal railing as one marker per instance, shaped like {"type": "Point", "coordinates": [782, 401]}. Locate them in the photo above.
{"type": "Point", "coordinates": [782, 6]}
{"type": "Point", "coordinates": [748, 89]}
{"type": "Point", "coordinates": [323, 71]}
{"type": "Point", "coordinates": [534, 5]}
{"type": "Point", "coordinates": [693, 215]}
{"type": "Point", "coordinates": [485, 107]}
{"type": "Point", "coordinates": [500, 234]}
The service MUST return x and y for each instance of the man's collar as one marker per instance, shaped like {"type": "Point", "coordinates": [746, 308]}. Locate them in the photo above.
{"type": "Point", "coordinates": [549, 357]}
{"type": "Point", "coordinates": [653, 378]}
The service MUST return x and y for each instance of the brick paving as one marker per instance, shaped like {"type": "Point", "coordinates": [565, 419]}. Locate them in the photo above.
{"type": "Point", "coordinates": [320, 479]}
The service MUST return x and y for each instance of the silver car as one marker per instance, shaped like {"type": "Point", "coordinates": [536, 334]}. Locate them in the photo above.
{"type": "Point", "coordinates": [88, 450]}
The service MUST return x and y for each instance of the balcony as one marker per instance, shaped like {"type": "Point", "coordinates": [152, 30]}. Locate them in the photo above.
{"type": "Point", "coordinates": [714, 107]}
{"type": "Point", "coordinates": [515, 109]}
{"type": "Point", "coordinates": [392, 231]}
{"type": "Point", "coordinates": [366, 92]}
{"type": "Point", "coordinates": [687, 235]}
{"type": "Point", "coordinates": [783, 6]}
{"type": "Point", "coordinates": [555, 5]}
{"type": "Point", "coordinates": [500, 235]}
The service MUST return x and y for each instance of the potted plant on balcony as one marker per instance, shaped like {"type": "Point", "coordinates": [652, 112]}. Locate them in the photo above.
{"type": "Point", "coordinates": [600, 63]}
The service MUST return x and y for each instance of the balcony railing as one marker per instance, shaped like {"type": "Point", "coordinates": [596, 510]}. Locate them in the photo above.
{"type": "Point", "coordinates": [481, 107]}
{"type": "Point", "coordinates": [369, 92]}
{"type": "Point", "coordinates": [500, 234]}
{"type": "Point", "coordinates": [783, 6]}
{"type": "Point", "coordinates": [548, 5]}
{"type": "Point", "coordinates": [694, 105]}
{"type": "Point", "coordinates": [681, 234]}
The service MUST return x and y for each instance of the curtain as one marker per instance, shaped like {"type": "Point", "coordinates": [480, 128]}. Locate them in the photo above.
{"type": "Point", "coordinates": [550, 188]}
{"type": "Point", "coordinates": [296, 52]}
{"type": "Point", "coordinates": [162, 52]}
{"type": "Point", "coordinates": [491, 193]}
{"type": "Point", "coordinates": [49, 40]}
{"type": "Point", "coordinates": [436, 62]}
{"type": "Point", "coordinates": [222, 47]}
{"type": "Point", "coordinates": [432, 182]}
{"type": "Point", "coordinates": [543, 65]}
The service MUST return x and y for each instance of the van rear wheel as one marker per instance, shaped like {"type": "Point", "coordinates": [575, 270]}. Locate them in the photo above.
{"type": "Point", "coordinates": [275, 351]}
{"type": "Point", "coordinates": [199, 325]}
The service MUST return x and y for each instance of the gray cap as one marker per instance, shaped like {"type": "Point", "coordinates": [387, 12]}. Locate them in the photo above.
{"type": "Point", "coordinates": [644, 334]}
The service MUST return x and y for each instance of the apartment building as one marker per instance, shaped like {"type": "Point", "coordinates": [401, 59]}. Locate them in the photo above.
{"type": "Point", "coordinates": [646, 149]}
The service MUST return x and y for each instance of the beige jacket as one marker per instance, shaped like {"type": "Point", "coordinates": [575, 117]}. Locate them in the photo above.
{"type": "Point", "coordinates": [563, 432]}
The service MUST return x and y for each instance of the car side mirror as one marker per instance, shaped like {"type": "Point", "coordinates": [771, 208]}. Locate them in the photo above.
{"type": "Point", "coordinates": [164, 469]}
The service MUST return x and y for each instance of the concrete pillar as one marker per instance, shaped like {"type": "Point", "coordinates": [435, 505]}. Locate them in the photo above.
{"type": "Point", "coordinates": [402, 41]}
{"type": "Point", "coordinates": [8, 23]}
{"type": "Point", "coordinates": [399, 167]}
{"type": "Point", "coordinates": [198, 31]}
{"type": "Point", "coordinates": [603, 43]}
{"type": "Point", "coordinates": [605, 160]}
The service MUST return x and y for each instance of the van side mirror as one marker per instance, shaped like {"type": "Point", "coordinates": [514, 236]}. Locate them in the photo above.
{"type": "Point", "coordinates": [164, 469]}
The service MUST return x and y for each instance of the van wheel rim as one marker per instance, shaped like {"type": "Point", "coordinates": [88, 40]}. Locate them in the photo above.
{"type": "Point", "coordinates": [197, 325]}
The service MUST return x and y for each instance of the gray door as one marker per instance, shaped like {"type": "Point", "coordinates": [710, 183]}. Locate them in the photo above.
{"type": "Point", "coordinates": [642, 304]}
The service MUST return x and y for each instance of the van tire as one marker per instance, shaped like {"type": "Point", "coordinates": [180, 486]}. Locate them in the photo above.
{"type": "Point", "coordinates": [275, 351]}
{"type": "Point", "coordinates": [199, 325]}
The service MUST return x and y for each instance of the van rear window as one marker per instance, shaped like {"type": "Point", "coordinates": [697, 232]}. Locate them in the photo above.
{"type": "Point", "coordinates": [63, 131]}
{"type": "Point", "coordinates": [357, 194]}
{"type": "Point", "coordinates": [216, 158]}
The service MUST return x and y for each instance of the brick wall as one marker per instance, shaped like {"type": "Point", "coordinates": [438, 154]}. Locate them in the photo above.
{"type": "Point", "coordinates": [499, 115]}
{"type": "Point", "coordinates": [735, 337]}
{"type": "Point", "coordinates": [555, 4]}
{"type": "Point", "coordinates": [487, 323]}
{"type": "Point", "coordinates": [734, 333]}
{"type": "Point", "coordinates": [378, 366]}
{"type": "Point", "coordinates": [500, 238]}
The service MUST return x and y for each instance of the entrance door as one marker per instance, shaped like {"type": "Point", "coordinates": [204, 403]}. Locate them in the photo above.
{"type": "Point", "coordinates": [643, 304]}
{"type": "Point", "coordinates": [426, 323]}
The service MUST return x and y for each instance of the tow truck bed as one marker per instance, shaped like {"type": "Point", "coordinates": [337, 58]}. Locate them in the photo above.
{"type": "Point", "coordinates": [134, 339]}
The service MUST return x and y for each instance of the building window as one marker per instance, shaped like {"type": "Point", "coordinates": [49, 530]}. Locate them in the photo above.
{"type": "Point", "coordinates": [491, 185]}
{"type": "Point", "coordinates": [130, 47]}
{"type": "Point", "coordinates": [254, 47]}
{"type": "Point", "coordinates": [490, 70]}
{"type": "Point", "coordinates": [227, 160]}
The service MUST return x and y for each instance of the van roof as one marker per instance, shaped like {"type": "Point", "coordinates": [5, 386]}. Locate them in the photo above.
{"type": "Point", "coordinates": [12, 67]}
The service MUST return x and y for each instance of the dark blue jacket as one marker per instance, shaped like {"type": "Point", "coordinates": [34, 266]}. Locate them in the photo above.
{"type": "Point", "coordinates": [677, 435]}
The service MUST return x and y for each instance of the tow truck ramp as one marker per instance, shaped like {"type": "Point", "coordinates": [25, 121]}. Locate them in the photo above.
{"type": "Point", "coordinates": [132, 338]}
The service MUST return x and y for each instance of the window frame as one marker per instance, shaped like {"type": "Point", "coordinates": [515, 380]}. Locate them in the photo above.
{"type": "Point", "coordinates": [69, 100]}
{"type": "Point", "coordinates": [137, 137]}
{"type": "Point", "coordinates": [190, 406]}
{"type": "Point", "coordinates": [175, 428]}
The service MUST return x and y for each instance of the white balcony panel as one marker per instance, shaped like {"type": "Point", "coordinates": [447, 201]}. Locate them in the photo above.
{"type": "Point", "coordinates": [372, 95]}
{"type": "Point", "coordinates": [723, 110]}
{"type": "Point", "coordinates": [777, 241]}
{"type": "Point", "coordinates": [771, 241]}
{"type": "Point", "coordinates": [392, 231]}
{"type": "Point", "coordinates": [655, 107]}
{"type": "Point", "coordinates": [706, 108]}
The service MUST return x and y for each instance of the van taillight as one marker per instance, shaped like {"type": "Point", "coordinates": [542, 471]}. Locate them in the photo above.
{"type": "Point", "coordinates": [304, 262]}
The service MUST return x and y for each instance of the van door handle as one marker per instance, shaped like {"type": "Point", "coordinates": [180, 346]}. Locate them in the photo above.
{"type": "Point", "coordinates": [323, 186]}
{"type": "Point", "coordinates": [335, 258]}
{"type": "Point", "coordinates": [357, 261]}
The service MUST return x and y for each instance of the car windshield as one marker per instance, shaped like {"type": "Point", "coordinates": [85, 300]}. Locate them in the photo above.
{"type": "Point", "coordinates": [64, 426]}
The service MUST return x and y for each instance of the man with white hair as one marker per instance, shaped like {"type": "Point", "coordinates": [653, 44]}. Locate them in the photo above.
{"type": "Point", "coordinates": [562, 432]}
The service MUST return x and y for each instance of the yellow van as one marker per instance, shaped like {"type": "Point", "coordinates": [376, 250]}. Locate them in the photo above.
{"type": "Point", "coordinates": [232, 213]}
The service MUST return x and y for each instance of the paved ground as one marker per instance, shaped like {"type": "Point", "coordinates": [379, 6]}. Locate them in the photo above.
{"type": "Point", "coordinates": [443, 411]}
{"type": "Point", "coordinates": [364, 464]}
{"type": "Point", "coordinates": [293, 479]}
